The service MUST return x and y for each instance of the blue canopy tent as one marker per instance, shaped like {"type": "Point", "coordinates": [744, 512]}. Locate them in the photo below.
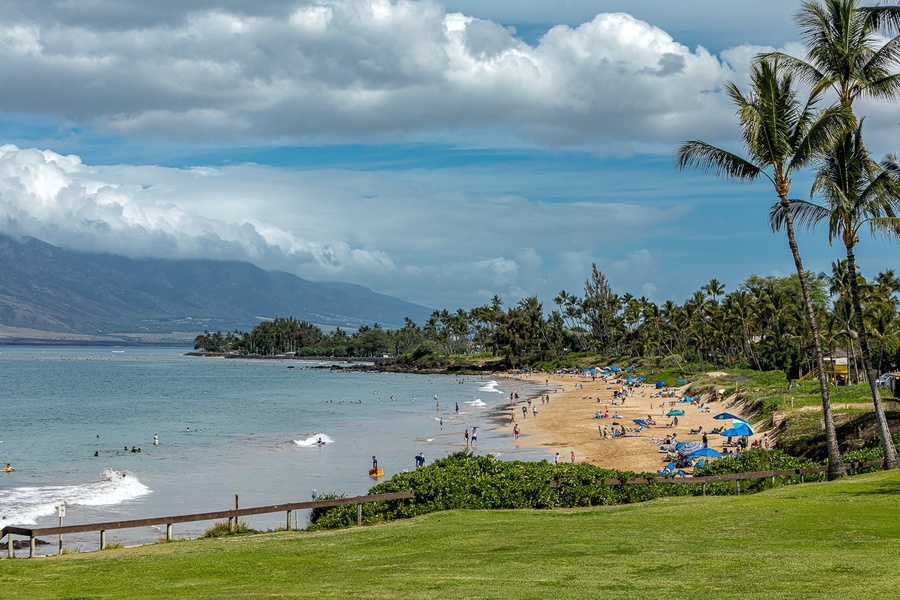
{"type": "Point", "coordinates": [614, 368]}
{"type": "Point", "coordinates": [629, 379]}
{"type": "Point", "coordinates": [660, 384]}
{"type": "Point", "coordinates": [682, 381]}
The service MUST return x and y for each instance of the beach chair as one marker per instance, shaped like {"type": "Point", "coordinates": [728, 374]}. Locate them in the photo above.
{"type": "Point", "coordinates": [699, 463]}
{"type": "Point", "coordinates": [669, 470]}
{"type": "Point", "coordinates": [696, 431]}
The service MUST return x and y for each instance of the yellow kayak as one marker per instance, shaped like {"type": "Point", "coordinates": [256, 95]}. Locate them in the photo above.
{"type": "Point", "coordinates": [376, 472]}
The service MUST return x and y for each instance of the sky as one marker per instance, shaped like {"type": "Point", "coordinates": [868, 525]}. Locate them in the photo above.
{"type": "Point", "coordinates": [439, 152]}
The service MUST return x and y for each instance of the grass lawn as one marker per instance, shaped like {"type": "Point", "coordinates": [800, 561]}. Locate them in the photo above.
{"type": "Point", "coordinates": [828, 540]}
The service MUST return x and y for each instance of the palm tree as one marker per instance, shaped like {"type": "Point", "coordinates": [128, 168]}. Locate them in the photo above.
{"type": "Point", "coordinates": [781, 135]}
{"type": "Point", "coordinates": [845, 51]}
{"type": "Point", "coordinates": [858, 192]}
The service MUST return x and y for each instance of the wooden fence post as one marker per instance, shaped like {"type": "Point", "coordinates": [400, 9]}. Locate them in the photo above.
{"type": "Point", "coordinates": [737, 486]}
{"type": "Point", "coordinates": [289, 519]}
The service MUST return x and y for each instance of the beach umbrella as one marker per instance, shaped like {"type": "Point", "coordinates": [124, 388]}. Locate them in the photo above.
{"type": "Point", "coordinates": [629, 379]}
{"type": "Point", "coordinates": [722, 416]}
{"type": "Point", "coordinates": [682, 381]}
{"type": "Point", "coordinates": [641, 422]}
{"type": "Point", "coordinates": [707, 453]}
{"type": "Point", "coordinates": [660, 384]}
{"type": "Point", "coordinates": [629, 368]}
{"type": "Point", "coordinates": [675, 413]}
{"type": "Point", "coordinates": [614, 369]}
{"type": "Point", "coordinates": [690, 448]}
{"type": "Point", "coordinates": [738, 430]}
{"type": "Point", "coordinates": [641, 379]}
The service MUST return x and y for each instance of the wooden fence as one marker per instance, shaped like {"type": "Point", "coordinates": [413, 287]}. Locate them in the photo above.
{"type": "Point", "coordinates": [232, 516]}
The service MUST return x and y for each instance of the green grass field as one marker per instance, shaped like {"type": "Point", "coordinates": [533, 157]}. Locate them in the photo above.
{"type": "Point", "coordinates": [827, 540]}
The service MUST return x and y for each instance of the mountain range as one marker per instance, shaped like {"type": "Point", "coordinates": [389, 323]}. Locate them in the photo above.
{"type": "Point", "coordinates": [46, 288]}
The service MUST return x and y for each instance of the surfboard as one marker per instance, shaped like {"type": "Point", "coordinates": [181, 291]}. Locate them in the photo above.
{"type": "Point", "coordinates": [376, 472]}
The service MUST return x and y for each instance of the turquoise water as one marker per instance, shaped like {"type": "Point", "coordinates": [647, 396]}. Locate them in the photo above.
{"type": "Point", "coordinates": [253, 426]}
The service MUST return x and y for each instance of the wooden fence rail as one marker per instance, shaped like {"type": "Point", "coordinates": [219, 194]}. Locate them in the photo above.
{"type": "Point", "coordinates": [232, 516]}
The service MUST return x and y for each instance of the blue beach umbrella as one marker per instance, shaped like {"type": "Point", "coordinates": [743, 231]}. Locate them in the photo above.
{"type": "Point", "coordinates": [641, 422]}
{"type": "Point", "coordinates": [738, 430]}
{"type": "Point", "coordinates": [641, 379]}
{"type": "Point", "coordinates": [707, 453]}
{"type": "Point", "coordinates": [660, 384]}
{"type": "Point", "coordinates": [682, 381]}
{"type": "Point", "coordinates": [690, 448]}
{"type": "Point", "coordinates": [675, 413]}
{"type": "Point", "coordinates": [629, 379]}
{"type": "Point", "coordinates": [722, 416]}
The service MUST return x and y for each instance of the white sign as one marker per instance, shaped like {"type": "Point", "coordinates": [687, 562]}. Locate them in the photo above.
{"type": "Point", "coordinates": [62, 510]}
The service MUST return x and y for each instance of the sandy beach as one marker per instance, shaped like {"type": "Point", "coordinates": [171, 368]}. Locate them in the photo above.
{"type": "Point", "coordinates": [568, 421]}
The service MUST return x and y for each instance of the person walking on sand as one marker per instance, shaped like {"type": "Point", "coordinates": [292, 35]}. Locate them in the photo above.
{"type": "Point", "coordinates": [556, 459]}
{"type": "Point", "coordinates": [524, 412]}
{"type": "Point", "coordinates": [474, 437]}
{"type": "Point", "coordinates": [516, 431]}
{"type": "Point", "coordinates": [466, 435]}
{"type": "Point", "coordinates": [573, 457]}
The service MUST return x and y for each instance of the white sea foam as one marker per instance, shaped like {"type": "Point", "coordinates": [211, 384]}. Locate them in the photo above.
{"type": "Point", "coordinates": [476, 402]}
{"type": "Point", "coordinates": [25, 505]}
{"type": "Point", "coordinates": [491, 387]}
{"type": "Point", "coordinates": [314, 440]}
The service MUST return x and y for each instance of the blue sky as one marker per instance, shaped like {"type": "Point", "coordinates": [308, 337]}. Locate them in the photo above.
{"type": "Point", "coordinates": [438, 152]}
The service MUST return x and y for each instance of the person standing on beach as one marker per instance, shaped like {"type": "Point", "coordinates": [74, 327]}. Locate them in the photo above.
{"type": "Point", "coordinates": [524, 412]}
{"type": "Point", "coordinates": [573, 457]}
{"type": "Point", "coordinates": [467, 437]}
{"type": "Point", "coordinates": [474, 436]}
{"type": "Point", "coordinates": [556, 459]}
{"type": "Point", "coordinates": [457, 408]}
{"type": "Point", "coordinates": [516, 431]}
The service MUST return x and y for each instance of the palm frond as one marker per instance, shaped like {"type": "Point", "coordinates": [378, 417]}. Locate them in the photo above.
{"type": "Point", "coordinates": [805, 214]}
{"type": "Point", "coordinates": [710, 159]}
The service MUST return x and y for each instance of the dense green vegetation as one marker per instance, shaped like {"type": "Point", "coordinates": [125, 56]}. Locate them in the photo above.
{"type": "Point", "coordinates": [822, 540]}
{"type": "Point", "coordinates": [463, 480]}
{"type": "Point", "coordinates": [760, 326]}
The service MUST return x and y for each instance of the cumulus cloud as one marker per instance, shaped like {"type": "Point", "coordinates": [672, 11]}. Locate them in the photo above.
{"type": "Point", "coordinates": [357, 69]}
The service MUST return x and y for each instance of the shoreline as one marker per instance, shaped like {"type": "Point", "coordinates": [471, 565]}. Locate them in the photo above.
{"type": "Point", "coordinates": [567, 422]}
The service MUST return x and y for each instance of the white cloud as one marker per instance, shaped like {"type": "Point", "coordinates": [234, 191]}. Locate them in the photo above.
{"type": "Point", "coordinates": [360, 69]}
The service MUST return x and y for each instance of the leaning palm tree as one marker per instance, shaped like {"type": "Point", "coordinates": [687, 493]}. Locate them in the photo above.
{"type": "Point", "coordinates": [781, 135]}
{"type": "Point", "coordinates": [858, 193]}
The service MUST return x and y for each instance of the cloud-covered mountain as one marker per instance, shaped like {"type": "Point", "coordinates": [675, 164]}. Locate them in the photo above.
{"type": "Point", "coordinates": [47, 288]}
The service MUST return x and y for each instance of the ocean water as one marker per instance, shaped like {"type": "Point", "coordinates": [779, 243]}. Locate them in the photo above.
{"type": "Point", "coordinates": [226, 428]}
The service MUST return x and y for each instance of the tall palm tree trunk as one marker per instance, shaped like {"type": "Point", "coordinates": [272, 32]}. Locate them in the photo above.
{"type": "Point", "coordinates": [891, 459]}
{"type": "Point", "coordinates": [835, 463]}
